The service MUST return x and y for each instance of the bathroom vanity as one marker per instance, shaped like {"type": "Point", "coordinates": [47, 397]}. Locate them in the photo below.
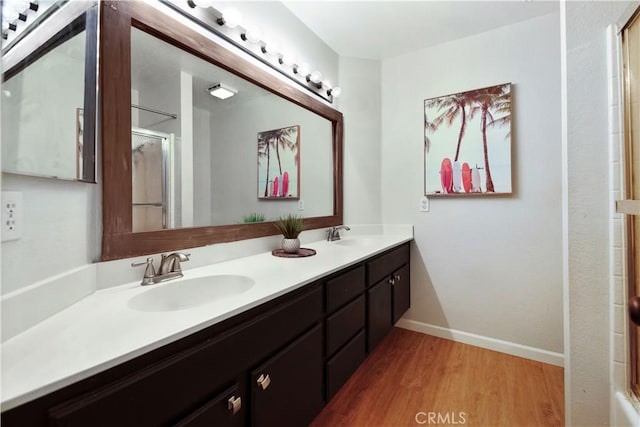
{"type": "Point", "coordinates": [275, 363]}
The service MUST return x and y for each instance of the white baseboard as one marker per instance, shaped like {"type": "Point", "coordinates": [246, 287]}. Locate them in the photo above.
{"type": "Point", "coordinates": [507, 347]}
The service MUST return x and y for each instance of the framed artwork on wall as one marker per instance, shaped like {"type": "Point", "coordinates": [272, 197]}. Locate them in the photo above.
{"type": "Point", "coordinates": [279, 163]}
{"type": "Point", "coordinates": [467, 143]}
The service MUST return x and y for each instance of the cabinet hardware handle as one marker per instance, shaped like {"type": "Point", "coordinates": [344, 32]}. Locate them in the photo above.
{"type": "Point", "coordinates": [264, 381]}
{"type": "Point", "coordinates": [397, 277]}
{"type": "Point", "coordinates": [392, 281]}
{"type": "Point", "coordinates": [234, 404]}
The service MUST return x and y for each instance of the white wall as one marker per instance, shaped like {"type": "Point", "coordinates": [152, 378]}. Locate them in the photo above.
{"type": "Point", "coordinates": [587, 210]}
{"type": "Point", "coordinates": [62, 228]}
{"type": "Point", "coordinates": [361, 107]}
{"type": "Point", "coordinates": [488, 267]}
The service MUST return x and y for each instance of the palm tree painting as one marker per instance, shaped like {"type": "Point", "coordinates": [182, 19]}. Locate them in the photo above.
{"type": "Point", "coordinates": [467, 142]}
{"type": "Point", "coordinates": [279, 163]}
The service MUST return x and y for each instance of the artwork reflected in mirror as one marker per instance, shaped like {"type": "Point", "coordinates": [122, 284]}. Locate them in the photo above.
{"type": "Point", "coordinates": [279, 163]}
{"type": "Point", "coordinates": [467, 142]}
{"type": "Point", "coordinates": [207, 173]}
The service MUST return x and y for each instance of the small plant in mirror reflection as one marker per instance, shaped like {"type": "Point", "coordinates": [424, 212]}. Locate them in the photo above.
{"type": "Point", "coordinates": [290, 226]}
{"type": "Point", "coordinates": [253, 217]}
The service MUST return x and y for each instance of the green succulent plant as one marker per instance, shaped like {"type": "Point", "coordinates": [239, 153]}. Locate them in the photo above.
{"type": "Point", "coordinates": [290, 226]}
{"type": "Point", "coordinates": [253, 217]}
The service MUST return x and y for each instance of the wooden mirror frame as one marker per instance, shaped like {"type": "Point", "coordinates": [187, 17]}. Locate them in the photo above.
{"type": "Point", "coordinates": [118, 240]}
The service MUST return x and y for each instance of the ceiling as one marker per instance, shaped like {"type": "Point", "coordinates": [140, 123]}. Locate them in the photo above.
{"type": "Point", "coordinates": [384, 29]}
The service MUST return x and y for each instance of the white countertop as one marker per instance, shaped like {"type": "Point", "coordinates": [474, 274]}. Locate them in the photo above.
{"type": "Point", "coordinates": [102, 331]}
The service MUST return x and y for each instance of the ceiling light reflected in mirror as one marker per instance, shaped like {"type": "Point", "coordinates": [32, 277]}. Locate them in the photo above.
{"type": "Point", "coordinates": [221, 91]}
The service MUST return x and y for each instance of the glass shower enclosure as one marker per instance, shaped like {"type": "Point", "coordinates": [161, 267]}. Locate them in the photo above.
{"type": "Point", "coordinates": [151, 191]}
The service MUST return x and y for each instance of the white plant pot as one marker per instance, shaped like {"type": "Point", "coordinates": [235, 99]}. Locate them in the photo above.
{"type": "Point", "coordinates": [291, 246]}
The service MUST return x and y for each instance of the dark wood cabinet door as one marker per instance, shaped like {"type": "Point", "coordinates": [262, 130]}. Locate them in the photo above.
{"type": "Point", "coordinates": [224, 410]}
{"type": "Point", "coordinates": [344, 363]}
{"type": "Point", "coordinates": [379, 312]}
{"type": "Point", "coordinates": [287, 390]}
{"type": "Point", "coordinates": [401, 292]}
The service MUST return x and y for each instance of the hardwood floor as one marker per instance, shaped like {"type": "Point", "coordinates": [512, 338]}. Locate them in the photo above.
{"type": "Point", "coordinates": [414, 379]}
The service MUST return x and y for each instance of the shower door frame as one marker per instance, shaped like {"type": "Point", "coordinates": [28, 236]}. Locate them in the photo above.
{"type": "Point", "coordinates": [168, 219]}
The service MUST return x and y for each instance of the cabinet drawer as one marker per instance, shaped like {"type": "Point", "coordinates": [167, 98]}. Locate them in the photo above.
{"type": "Point", "coordinates": [224, 410]}
{"type": "Point", "coordinates": [344, 324]}
{"type": "Point", "coordinates": [345, 287]}
{"type": "Point", "coordinates": [385, 264]}
{"type": "Point", "coordinates": [287, 389]}
{"type": "Point", "coordinates": [172, 388]}
{"type": "Point", "coordinates": [344, 363]}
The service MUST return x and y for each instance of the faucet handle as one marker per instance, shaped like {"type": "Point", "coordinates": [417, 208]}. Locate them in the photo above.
{"type": "Point", "coordinates": [150, 271]}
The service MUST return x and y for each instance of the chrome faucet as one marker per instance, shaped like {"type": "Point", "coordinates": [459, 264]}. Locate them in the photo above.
{"type": "Point", "coordinates": [334, 233]}
{"type": "Point", "coordinates": [170, 268]}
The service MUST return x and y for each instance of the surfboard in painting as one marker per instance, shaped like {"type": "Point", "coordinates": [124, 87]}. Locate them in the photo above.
{"type": "Point", "coordinates": [466, 177]}
{"type": "Point", "coordinates": [446, 175]}
{"type": "Point", "coordinates": [475, 181]}
{"type": "Point", "coordinates": [285, 184]}
{"type": "Point", "coordinates": [457, 177]}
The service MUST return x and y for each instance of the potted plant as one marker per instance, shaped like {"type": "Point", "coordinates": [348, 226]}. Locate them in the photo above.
{"type": "Point", "coordinates": [290, 226]}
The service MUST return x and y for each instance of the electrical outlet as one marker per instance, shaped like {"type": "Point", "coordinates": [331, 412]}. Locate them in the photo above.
{"type": "Point", "coordinates": [423, 204]}
{"type": "Point", "coordinates": [300, 205]}
{"type": "Point", "coordinates": [11, 215]}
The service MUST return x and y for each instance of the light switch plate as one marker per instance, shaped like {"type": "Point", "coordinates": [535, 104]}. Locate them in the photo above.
{"type": "Point", "coordinates": [423, 204]}
{"type": "Point", "coordinates": [11, 215]}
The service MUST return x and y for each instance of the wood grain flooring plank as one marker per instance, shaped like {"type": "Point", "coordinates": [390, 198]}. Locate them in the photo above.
{"type": "Point", "coordinates": [413, 379]}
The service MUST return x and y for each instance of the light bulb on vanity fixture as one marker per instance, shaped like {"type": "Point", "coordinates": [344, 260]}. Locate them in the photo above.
{"type": "Point", "coordinates": [252, 34]}
{"type": "Point", "coordinates": [20, 6]}
{"type": "Point", "coordinates": [200, 3]}
{"type": "Point", "coordinates": [301, 69]}
{"type": "Point", "coordinates": [221, 91]}
{"type": "Point", "coordinates": [9, 14]}
{"type": "Point", "coordinates": [334, 92]}
{"type": "Point", "coordinates": [315, 78]}
{"type": "Point", "coordinates": [271, 48]}
{"type": "Point", "coordinates": [230, 17]}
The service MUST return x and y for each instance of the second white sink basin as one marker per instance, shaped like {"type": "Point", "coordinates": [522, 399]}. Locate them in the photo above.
{"type": "Point", "coordinates": [186, 293]}
{"type": "Point", "coordinates": [358, 241]}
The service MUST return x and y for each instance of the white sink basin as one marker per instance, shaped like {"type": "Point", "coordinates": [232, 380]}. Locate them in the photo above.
{"type": "Point", "coordinates": [358, 241]}
{"type": "Point", "coordinates": [186, 293]}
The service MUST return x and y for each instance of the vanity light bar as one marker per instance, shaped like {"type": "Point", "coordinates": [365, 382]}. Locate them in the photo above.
{"type": "Point", "coordinates": [249, 39]}
{"type": "Point", "coordinates": [14, 11]}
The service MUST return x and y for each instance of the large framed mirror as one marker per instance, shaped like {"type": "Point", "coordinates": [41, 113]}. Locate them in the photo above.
{"type": "Point", "coordinates": [183, 168]}
{"type": "Point", "coordinates": [49, 94]}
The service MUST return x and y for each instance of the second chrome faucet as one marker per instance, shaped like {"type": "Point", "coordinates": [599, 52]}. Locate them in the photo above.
{"type": "Point", "coordinates": [170, 268]}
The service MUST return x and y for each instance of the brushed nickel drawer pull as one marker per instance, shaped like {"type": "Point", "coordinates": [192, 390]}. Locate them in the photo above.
{"type": "Point", "coordinates": [397, 277]}
{"type": "Point", "coordinates": [234, 404]}
{"type": "Point", "coordinates": [264, 381]}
